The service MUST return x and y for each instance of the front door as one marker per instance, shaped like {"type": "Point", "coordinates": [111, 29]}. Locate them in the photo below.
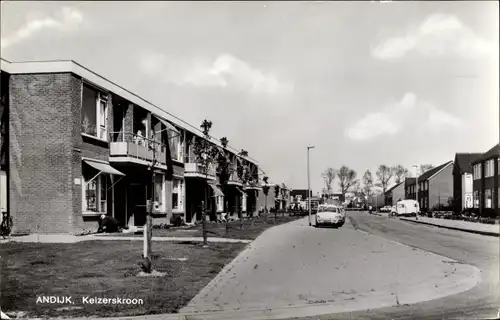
{"type": "Point", "coordinates": [137, 200]}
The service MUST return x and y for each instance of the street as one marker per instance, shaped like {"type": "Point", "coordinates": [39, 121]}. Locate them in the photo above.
{"type": "Point", "coordinates": [482, 252]}
{"type": "Point", "coordinates": [295, 270]}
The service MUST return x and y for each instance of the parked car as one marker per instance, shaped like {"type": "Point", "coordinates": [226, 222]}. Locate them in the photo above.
{"type": "Point", "coordinates": [330, 215]}
{"type": "Point", "coordinates": [386, 209]}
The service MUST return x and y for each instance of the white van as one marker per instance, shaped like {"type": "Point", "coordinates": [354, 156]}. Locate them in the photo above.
{"type": "Point", "coordinates": [406, 208]}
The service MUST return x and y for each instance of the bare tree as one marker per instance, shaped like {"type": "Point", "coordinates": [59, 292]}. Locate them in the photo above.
{"type": "Point", "coordinates": [400, 173]}
{"type": "Point", "coordinates": [384, 175]}
{"type": "Point", "coordinates": [328, 177]}
{"type": "Point", "coordinates": [425, 167]}
{"type": "Point", "coordinates": [368, 183]}
{"type": "Point", "coordinates": [347, 179]}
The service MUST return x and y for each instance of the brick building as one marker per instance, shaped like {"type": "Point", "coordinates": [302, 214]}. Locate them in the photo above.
{"type": "Point", "coordinates": [76, 145]}
{"type": "Point", "coordinates": [485, 183]}
{"type": "Point", "coordinates": [435, 187]}
{"type": "Point", "coordinates": [395, 193]}
{"type": "Point", "coordinates": [410, 189]}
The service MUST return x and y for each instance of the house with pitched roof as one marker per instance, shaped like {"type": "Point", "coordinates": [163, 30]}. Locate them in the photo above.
{"type": "Point", "coordinates": [462, 181]}
{"type": "Point", "coordinates": [435, 187]}
{"type": "Point", "coordinates": [485, 182]}
{"type": "Point", "coordinates": [410, 192]}
{"type": "Point", "coordinates": [395, 193]}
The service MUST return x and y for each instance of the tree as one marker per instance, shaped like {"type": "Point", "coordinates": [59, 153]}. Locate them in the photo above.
{"type": "Point", "coordinates": [276, 196]}
{"type": "Point", "coordinates": [347, 179]}
{"type": "Point", "coordinates": [224, 172]}
{"type": "Point", "coordinates": [384, 175]}
{"type": "Point", "coordinates": [400, 173]}
{"type": "Point", "coordinates": [368, 183]}
{"type": "Point", "coordinates": [206, 155]}
{"type": "Point", "coordinates": [243, 153]}
{"type": "Point", "coordinates": [284, 193]}
{"type": "Point", "coordinates": [265, 190]}
{"type": "Point", "coordinates": [425, 167]}
{"type": "Point", "coordinates": [328, 177]}
{"type": "Point", "coordinates": [224, 142]}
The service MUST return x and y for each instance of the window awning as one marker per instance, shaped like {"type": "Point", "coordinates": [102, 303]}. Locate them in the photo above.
{"type": "Point", "coordinates": [103, 167]}
{"type": "Point", "coordinates": [217, 191]}
{"type": "Point", "coordinates": [169, 126]}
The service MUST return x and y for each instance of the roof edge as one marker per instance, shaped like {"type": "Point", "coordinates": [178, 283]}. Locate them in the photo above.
{"type": "Point", "coordinates": [58, 66]}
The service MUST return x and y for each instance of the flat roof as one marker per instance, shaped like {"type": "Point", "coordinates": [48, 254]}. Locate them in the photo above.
{"type": "Point", "coordinates": [70, 66]}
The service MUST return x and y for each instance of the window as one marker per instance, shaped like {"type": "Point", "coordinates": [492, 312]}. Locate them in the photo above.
{"type": "Point", "coordinates": [94, 113]}
{"type": "Point", "coordinates": [176, 145]}
{"type": "Point", "coordinates": [498, 198]}
{"type": "Point", "coordinates": [476, 199]}
{"type": "Point", "coordinates": [95, 191]}
{"type": "Point", "coordinates": [159, 191]}
{"type": "Point", "coordinates": [477, 171]}
{"type": "Point", "coordinates": [177, 194]}
{"type": "Point", "coordinates": [487, 198]}
{"type": "Point", "coordinates": [489, 169]}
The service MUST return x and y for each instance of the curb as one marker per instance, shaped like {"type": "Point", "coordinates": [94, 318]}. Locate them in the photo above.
{"type": "Point", "coordinates": [484, 233]}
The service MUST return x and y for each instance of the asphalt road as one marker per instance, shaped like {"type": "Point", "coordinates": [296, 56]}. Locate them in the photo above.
{"type": "Point", "coordinates": [481, 302]}
{"type": "Point", "coordinates": [295, 269]}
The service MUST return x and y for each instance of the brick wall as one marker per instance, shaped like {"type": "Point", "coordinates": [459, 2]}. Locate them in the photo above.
{"type": "Point", "coordinates": [441, 187]}
{"type": "Point", "coordinates": [41, 152]}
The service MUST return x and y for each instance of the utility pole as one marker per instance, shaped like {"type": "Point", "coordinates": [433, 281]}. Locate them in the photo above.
{"type": "Point", "coordinates": [309, 183]}
{"type": "Point", "coordinates": [416, 192]}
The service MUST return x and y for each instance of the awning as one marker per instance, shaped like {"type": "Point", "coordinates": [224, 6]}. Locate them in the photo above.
{"type": "Point", "coordinates": [169, 126]}
{"type": "Point", "coordinates": [103, 167]}
{"type": "Point", "coordinates": [217, 191]}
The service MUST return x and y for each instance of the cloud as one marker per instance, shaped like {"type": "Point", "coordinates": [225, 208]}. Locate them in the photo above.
{"type": "Point", "coordinates": [226, 71]}
{"type": "Point", "coordinates": [66, 19]}
{"type": "Point", "coordinates": [408, 113]}
{"type": "Point", "coordinates": [438, 35]}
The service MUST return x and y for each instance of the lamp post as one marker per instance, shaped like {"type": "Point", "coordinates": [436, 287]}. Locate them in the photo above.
{"type": "Point", "coordinates": [309, 182]}
{"type": "Point", "coordinates": [416, 190]}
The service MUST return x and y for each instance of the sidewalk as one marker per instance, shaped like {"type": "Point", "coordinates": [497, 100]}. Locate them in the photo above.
{"type": "Point", "coordinates": [466, 226]}
{"type": "Point", "coordinates": [63, 238]}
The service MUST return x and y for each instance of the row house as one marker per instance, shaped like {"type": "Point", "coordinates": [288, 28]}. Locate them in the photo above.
{"type": "Point", "coordinates": [435, 187]}
{"type": "Point", "coordinates": [462, 181]}
{"type": "Point", "coordinates": [395, 193]}
{"type": "Point", "coordinates": [410, 188]}
{"type": "Point", "coordinates": [485, 182]}
{"type": "Point", "coordinates": [75, 146]}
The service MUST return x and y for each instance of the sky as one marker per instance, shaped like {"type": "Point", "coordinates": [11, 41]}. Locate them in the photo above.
{"type": "Point", "coordinates": [365, 83]}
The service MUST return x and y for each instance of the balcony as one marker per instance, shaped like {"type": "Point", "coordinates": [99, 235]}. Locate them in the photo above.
{"type": "Point", "coordinates": [234, 179]}
{"type": "Point", "coordinates": [195, 170]}
{"type": "Point", "coordinates": [131, 148]}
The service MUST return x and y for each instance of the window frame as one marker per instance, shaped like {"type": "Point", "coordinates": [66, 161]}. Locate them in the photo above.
{"type": "Point", "coordinates": [488, 205]}
{"type": "Point", "coordinates": [99, 184]}
{"type": "Point", "coordinates": [161, 208]}
{"type": "Point", "coordinates": [100, 97]}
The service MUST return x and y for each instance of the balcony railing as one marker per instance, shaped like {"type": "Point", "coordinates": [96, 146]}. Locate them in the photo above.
{"type": "Point", "coordinates": [234, 178]}
{"type": "Point", "coordinates": [195, 169]}
{"type": "Point", "coordinates": [133, 146]}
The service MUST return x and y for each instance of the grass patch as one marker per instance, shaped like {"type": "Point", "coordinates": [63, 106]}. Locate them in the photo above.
{"type": "Point", "coordinates": [252, 228]}
{"type": "Point", "coordinates": [106, 269]}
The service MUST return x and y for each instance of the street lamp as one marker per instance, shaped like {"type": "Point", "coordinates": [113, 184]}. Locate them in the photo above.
{"type": "Point", "coordinates": [416, 192]}
{"type": "Point", "coordinates": [309, 182]}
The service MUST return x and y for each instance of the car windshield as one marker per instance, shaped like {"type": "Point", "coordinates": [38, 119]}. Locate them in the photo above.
{"type": "Point", "coordinates": [329, 209]}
